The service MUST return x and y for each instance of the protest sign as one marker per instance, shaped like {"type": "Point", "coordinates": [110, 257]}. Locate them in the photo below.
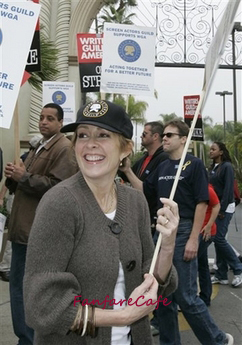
{"type": "Point", "coordinates": [33, 61]}
{"type": "Point", "coordinates": [190, 106]}
{"type": "Point", "coordinates": [62, 93]}
{"type": "Point", "coordinates": [128, 62]}
{"type": "Point", "coordinates": [217, 46]}
{"type": "Point", "coordinates": [89, 48]}
{"type": "Point", "coordinates": [17, 24]}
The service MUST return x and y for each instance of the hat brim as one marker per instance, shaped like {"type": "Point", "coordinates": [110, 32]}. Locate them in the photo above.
{"type": "Point", "coordinates": [71, 127]}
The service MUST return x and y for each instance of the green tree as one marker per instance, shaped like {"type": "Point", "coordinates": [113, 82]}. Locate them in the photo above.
{"type": "Point", "coordinates": [49, 55]}
{"type": "Point", "coordinates": [214, 133]}
{"type": "Point", "coordinates": [121, 3]}
{"type": "Point", "coordinates": [135, 109]}
{"type": "Point", "coordinates": [117, 14]}
{"type": "Point", "coordinates": [112, 15]}
{"type": "Point", "coordinates": [170, 117]}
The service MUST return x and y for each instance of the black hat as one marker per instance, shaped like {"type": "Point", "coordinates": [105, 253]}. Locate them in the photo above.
{"type": "Point", "coordinates": [103, 114]}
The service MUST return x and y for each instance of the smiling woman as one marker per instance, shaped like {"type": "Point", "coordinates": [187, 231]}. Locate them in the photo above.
{"type": "Point", "coordinates": [104, 244]}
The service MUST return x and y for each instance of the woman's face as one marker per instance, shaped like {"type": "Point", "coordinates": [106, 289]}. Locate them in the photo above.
{"type": "Point", "coordinates": [97, 152]}
{"type": "Point", "coordinates": [215, 152]}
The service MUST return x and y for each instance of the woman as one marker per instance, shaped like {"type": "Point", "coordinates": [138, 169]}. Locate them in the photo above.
{"type": "Point", "coordinates": [91, 243]}
{"type": "Point", "coordinates": [222, 179]}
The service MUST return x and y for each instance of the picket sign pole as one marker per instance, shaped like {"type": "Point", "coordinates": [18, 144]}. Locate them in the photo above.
{"type": "Point", "coordinates": [103, 95]}
{"type": "Point", "coordinates": [174, 186]}
{"type": "Point", "coordinates": [16, 136]}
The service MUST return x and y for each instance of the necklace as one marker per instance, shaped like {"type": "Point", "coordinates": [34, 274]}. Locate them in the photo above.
{"type": "Point", "coordinates": [112, 201]}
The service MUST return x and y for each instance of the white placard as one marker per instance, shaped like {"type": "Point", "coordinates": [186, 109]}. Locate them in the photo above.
{"type": "Point", "coordinates": [17, 25]}
{"type": "Point", "coordinates": [128, 63]}
{"type": "Point", "coordinates": [62, 93]}
{"type": "Point", "coordinates": [218, 44]}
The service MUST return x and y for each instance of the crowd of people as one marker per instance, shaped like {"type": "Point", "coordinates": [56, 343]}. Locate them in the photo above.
{"type": "Point", "coordinates": [82, 242]}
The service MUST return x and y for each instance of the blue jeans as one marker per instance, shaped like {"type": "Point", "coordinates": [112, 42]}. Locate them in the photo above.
{"type": "Point", "coordinates": [225, 255]}
{"type": "Point", "coordinates": [203, 270]}
{"type": "Point", "coordinates": [193, 308]}
{"type": "Point", "coordinates": [21, 330]}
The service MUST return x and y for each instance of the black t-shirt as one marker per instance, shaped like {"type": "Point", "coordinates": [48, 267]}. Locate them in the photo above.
{"type": "Point", "coordinates": [192, 187]}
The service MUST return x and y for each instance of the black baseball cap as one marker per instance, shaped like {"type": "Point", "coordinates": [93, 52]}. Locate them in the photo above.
{"type": "Point", "coordinates": [103, 114]}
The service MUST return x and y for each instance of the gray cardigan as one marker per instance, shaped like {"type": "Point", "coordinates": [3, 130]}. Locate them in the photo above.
{"type": "Point", "coordinates": [72, 251]}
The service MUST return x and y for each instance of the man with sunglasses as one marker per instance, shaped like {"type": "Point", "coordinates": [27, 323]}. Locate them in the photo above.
{"type": "Point", "coordinates": [151, 140]}
{"type": "Point", "coordinates": [192, 197]}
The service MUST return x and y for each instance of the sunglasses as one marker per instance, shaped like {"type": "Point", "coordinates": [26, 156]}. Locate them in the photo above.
{"type": "Point", "coordinates": [170, 134]}
{"type": "Point", "coordinates": [144, 134]}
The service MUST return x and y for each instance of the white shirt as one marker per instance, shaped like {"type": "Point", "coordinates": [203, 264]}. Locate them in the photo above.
{"type": "Point", "coordinates": [43, 143]}
{"type": "Point", "coordinates": [120, 335]}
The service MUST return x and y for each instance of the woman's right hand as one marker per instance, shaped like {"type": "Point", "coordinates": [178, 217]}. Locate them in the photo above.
{"type": "Point", "coordinates": [139, 303]}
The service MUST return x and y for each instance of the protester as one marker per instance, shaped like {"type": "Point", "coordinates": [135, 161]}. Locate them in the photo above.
{"type": "Point", "coordinates": [6, 261]}
{"type": "Point", "coordinates": [205, 239]}
{"type": "Point", "coordinates": [221, 176]}
{"type": "Point", "coordinates": [191, 196]}
{"type": "Point", "coordinates": [95, 235]}
{"type": "Point", "coordinates": [151, 140]}
{"type": "Point", "coordinates": [43, 168]}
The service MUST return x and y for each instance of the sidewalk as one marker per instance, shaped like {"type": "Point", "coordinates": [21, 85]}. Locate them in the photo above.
{"type": "Point", "coordinates": [226, 307]}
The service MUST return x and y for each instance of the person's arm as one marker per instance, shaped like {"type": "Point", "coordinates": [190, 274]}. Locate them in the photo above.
{"type": "Point", "coordinates": [133, 179]}
{"type": "Point", "coordinates": [228, 188]}
{"type": "Point", "coordinates": [60, 168]}
{"type": "Point", "coordinates": [148, 289]}
{"type": "Point", "coordinates": [135, 309]}
{"type": "Point", "coordinates": [192, 243]}
{"type": "Point", "coordinates": [206, 230]}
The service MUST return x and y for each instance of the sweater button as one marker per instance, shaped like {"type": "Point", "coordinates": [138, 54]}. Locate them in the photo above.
{"type": "Point", "coordinates": [115, 228]}
{"type": "Point", "coordinates": [131, 265]}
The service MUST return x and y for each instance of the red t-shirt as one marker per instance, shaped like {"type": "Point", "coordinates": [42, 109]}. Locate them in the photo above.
{"type": "Point", "coordinates": [213, 200]}
{"type": "Point", "coordinates": [145, 163]}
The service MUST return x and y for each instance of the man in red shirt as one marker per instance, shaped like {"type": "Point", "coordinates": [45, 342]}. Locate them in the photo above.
{"type": "Point", "coordinates": [208, 231]}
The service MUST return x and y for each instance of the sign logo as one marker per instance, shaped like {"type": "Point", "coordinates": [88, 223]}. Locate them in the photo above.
{"type": "Point", "coordinates": [95, 109]}
{"type": "Point", "coordinates": [129, 50]}
{"type": "Point", "coordinates": [1, 36]}
{"type": "Point", "coordinates": [59, 97]}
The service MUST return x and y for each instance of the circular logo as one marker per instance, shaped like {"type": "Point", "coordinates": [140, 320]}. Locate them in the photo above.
{"type": "Point", "coordinates": [59, 97]}
{"type": "Point", "coordinates": [129, 50]}
{"type": "Point", "coordinates": [1, 36]}
{"type": "Point", "coordinates": [95, 109]}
